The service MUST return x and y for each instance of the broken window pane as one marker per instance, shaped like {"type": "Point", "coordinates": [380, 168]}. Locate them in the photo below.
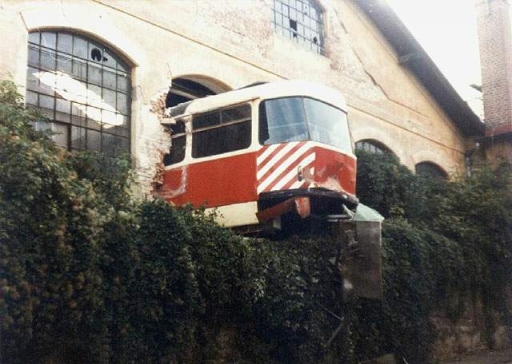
{"type": "Point", "coordinates": [178, 144]}
{"type": "Point", "coordinates": [74, 81]}
{"type": "Point", "coordinates": [300, 20]}
{"type": "Point", "coordinates": [96, 54]}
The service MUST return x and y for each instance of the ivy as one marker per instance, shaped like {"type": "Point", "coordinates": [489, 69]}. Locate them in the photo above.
{"type": "Point", "coordinates": [89, 273]}
{"type": "Point", "coordinates": [447, 244]}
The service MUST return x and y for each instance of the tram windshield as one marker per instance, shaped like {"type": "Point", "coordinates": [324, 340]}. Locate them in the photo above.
{"type": "Point", "coordinates": [300, 118]}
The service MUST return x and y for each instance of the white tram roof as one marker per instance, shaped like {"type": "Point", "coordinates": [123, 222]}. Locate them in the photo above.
{"type": "Point", "coordinates": [264, 91]}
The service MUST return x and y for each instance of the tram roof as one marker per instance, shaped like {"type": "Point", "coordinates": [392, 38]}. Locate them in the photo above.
{"type": "Point", "coordinates": [271, 90]}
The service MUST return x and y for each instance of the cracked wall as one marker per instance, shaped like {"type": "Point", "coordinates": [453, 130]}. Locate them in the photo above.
{"type": "Point", "coordinates": [232, 42]}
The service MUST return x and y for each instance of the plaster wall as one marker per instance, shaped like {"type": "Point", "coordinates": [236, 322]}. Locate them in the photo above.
{"type": "Point", "coordinates": [231, 43]}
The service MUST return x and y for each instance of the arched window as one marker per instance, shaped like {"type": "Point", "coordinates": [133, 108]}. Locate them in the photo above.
{"type": "Point", "coordinates": [429, 169]}
{"type": "Point", "coordinates": [183, 90]}
{"type": "Point", "coordinates": [301, 21]}
{"type": "Point", "coordinates": [83, 88]}
{"type": "Point", "coordinates": [372, 146]}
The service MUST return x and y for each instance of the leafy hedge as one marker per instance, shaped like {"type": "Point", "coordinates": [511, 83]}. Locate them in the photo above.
{"type": "Point", "coordinates": [447, 245]}
{"type": "Point", "coordinates": [90, 274]}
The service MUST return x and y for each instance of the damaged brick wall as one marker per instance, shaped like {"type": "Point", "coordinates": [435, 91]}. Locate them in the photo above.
{"type": "Point", "coordinates": [151, 164]}
{"type": "Point", "coordinates": [233, 42]}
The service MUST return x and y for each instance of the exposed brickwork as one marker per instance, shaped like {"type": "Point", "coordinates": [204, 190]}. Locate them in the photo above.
{"type": "Point", "coordinates": [231, 44]}
{"type": "Point", "coordinates": [495, 38]}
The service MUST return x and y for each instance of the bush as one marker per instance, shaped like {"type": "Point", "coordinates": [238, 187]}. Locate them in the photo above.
{"type": "Point", "coordinates": [446, 244]}
{"type": "Point", "coordinates": [90, 274]}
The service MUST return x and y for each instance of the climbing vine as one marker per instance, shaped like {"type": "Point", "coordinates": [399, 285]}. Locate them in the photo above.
{"type": "Point", "coordinates": [447, 246]}
{"type": "Point", "coordinates": [88, 273]}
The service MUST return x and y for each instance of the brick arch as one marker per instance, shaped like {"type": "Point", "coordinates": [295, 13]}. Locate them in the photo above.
{"type": "Point", "coordinates": [379, 136]}
{"type": "Point", "coordinates": [190, 86]}
{"type": "Point", "coordinates": [434, 168]}
{"type": "Point", "coordinates": [377, 144]}
{"type": "Point", "coordinates": [427, 156]}
{"type": "Point", "coordinates": [213, 83]}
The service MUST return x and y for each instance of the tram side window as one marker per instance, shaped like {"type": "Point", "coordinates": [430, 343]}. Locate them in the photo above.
{"type": "Point", "coordinates": [177, 151]}
{"type": "Point", "coordinates": [221, 131]}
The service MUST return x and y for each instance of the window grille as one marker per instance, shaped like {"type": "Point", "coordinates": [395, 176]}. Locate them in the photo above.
{"type": "Point", "coordinates": [83, 88]}
{"type": "Point", "coordinates": [301, 21]}
{"type": "Point", "coordinates": [429, 169]}
{"type": "Point", "coordinates": [371, 146]}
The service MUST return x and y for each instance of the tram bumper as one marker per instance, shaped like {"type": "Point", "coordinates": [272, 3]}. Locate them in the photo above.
{"type": "Point", "coordinates": [304, 202]}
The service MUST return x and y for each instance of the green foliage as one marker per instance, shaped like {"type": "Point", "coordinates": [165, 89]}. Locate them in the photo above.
{"type": "Point", "coordinates": [447, 243]}
{"type": "Point", "coordinates": [383, 183]}
{"type": "Point", "coordinates": [90, 274]}
{"type": "Point", "coordinates": [422, 271]}
{"type": "Point", "coordinates": [60, 231]}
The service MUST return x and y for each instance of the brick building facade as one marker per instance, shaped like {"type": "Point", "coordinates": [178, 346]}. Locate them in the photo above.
{"type": "Point", "coordinates": [101, 70]}
{"type": "Point", "coordinates": [495, 39]}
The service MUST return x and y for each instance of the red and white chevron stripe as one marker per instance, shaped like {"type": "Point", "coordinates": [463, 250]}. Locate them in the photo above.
{"type": "Point", "coordinates": [278, 166]}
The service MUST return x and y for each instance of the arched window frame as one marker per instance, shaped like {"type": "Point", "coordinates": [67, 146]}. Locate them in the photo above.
{"type": "Point", "coordinates": [83, 87]}
{"type": "Point", "coordinates": [430, 169]}
{"type": "Point", "coordinates": [301, 21]}
{"type": "Point", "coordinates": [372, 146]}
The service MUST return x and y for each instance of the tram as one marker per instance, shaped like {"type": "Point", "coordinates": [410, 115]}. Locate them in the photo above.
{"type": "Point", "coordinates": [262, 152]}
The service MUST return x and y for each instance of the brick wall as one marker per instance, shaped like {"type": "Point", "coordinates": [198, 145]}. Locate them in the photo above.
{"type": "Point", "coordinates": [494, 32]}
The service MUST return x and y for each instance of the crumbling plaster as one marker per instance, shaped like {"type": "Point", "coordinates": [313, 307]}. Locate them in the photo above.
{"type": "Point", "coordinates": [232, 43]}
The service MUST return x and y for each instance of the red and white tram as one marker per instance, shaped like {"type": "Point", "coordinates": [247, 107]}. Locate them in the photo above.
{"type": "Point", "coordinates": [258, 153]}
